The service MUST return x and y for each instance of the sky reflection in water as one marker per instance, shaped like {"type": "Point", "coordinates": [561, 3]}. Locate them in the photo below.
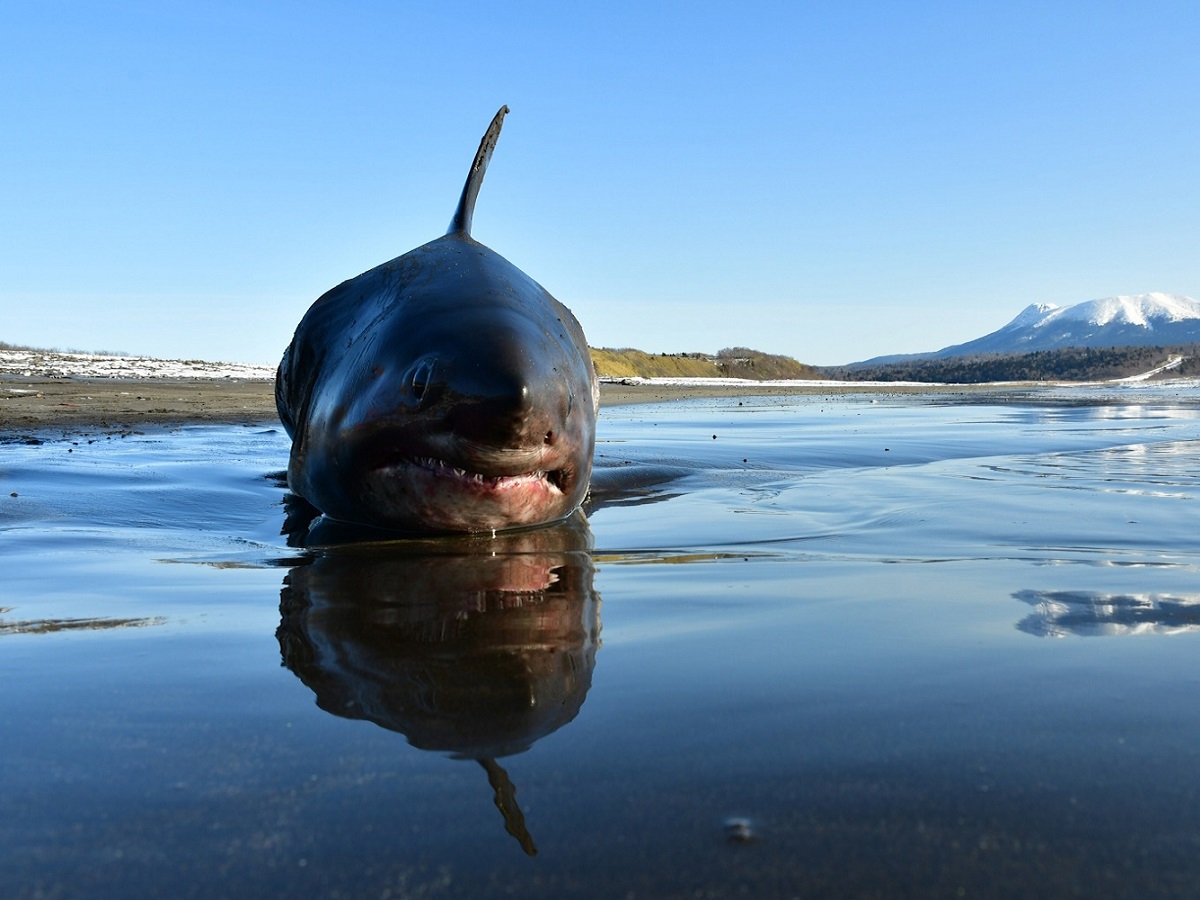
{"type": "Point", "coordinates": [864, 631]}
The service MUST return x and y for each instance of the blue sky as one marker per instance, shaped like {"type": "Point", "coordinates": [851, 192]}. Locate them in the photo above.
{"type": "Point", "coordinates": [832, 181]}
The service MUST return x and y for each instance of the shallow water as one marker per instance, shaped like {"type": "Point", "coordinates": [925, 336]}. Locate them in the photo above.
{"type": "Point", "coordinates": [860, 646]}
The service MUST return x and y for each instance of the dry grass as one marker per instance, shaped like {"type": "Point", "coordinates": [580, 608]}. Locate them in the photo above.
{"type": "Point", "coordinates": [736, 362]}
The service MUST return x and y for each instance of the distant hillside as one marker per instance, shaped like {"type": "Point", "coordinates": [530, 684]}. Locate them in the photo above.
{"type": "Point", "coordinates": [1069, 364]}
{"type": "Point", "coordinates": [733, 362]}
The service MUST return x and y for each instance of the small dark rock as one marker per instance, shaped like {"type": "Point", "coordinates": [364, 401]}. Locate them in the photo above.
{"type": "Point", "coordinates": [739, 831]}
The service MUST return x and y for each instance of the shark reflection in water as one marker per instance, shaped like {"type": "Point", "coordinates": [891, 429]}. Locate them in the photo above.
{"type": "Point", "coordinates": [1090, 614]}
{"type": "Point", "coordinates": [472, 646]}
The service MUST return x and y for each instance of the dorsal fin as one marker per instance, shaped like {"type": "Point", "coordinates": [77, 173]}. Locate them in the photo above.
{"type": "Point", "coordinates": [506, 801]}
{"type": "Point", "coordinates": [461, 223]}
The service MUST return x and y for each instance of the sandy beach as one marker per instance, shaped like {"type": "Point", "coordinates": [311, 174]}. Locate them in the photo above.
{"type": "Point", "coordinates": [75, 404]}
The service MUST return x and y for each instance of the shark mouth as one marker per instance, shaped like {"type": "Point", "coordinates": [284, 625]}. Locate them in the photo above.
{"type": "Point", "coordinates": [416, 492]}
{"type": "Point", "coordinates": [555, 479]}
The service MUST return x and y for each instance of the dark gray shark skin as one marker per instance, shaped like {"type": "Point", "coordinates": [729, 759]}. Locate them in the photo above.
{"type": "Point", "coordinates": [443, 391]}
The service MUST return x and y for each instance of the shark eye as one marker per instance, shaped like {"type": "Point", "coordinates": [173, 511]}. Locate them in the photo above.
{"type": "Point", "coordinates": [422, 377]}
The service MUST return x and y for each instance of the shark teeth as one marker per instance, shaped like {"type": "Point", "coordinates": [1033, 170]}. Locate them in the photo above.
{"type": "Point", "coordinates": [441, 467]}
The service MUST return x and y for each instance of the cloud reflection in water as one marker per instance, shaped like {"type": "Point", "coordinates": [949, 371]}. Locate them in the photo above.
{"type": "Point", "coordinates": [1093, 614]}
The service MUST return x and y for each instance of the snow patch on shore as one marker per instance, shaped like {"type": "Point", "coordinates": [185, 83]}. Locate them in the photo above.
{"type": "Point", "coordinates": [53, 364]}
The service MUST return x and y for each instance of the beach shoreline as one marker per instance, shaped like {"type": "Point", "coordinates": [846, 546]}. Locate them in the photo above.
{"type": "Point", "coordinates": [42, 406]}
{"type": "Point", "coordinates": [38, 404]}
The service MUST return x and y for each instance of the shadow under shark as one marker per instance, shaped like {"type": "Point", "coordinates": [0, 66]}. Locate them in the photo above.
{"type": "Point", "coordinates": [476, 647]}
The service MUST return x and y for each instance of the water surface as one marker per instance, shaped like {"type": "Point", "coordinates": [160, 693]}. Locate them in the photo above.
{"type": "Point", "coordinates": [851, 646]}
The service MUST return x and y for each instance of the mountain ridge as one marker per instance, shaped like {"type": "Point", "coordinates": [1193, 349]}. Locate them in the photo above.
{"type": "Point", "coordinates": [1153, 318]}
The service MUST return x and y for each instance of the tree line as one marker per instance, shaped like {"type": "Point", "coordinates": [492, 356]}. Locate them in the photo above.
{"type": "Point", "coordinates": [1066, 364]}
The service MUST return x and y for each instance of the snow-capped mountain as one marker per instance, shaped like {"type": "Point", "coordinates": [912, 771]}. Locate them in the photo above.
{"type": "Point", "coordinates": [1141, 319]}
{"type": "Point", "coordinates": [1153, 319]}
{"type": "Point", "coordinates": [1143, 310]}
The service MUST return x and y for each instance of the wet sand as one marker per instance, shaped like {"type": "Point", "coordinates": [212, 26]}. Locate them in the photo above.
{"type": "Point", "coordinates": [31, 404]}
{"type": "Point", "coordinates": [110, 404]}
